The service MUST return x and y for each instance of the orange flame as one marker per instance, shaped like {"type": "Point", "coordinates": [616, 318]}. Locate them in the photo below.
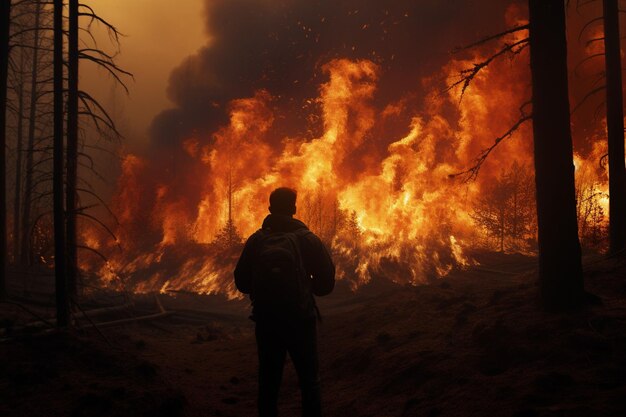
{"type": "Point", "coordinates": [384, 205]}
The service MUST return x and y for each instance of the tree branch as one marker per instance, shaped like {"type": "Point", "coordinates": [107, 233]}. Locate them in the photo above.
{"type": "Point", "coordinates": [472, 172]}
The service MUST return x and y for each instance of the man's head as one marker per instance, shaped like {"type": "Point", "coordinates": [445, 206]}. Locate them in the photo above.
{"type": "Point", "coordinates": [283, 201]}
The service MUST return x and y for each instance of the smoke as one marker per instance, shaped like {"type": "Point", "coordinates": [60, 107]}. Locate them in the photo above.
{"type": "Point", "coordinates": [280, 46]}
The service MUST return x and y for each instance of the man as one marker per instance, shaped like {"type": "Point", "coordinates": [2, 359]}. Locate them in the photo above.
{"type": "Point", "coordinates": [282, 265]}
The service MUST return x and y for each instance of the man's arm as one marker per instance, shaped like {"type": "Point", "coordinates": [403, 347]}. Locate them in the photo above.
{"type": "Point", "coordinates": [320, 266]}
{"type": "Point", "coordinates": [243, 271]}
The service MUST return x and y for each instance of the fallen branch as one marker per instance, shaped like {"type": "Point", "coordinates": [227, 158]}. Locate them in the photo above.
{"type": "Point", "coordinates": [162, 313]}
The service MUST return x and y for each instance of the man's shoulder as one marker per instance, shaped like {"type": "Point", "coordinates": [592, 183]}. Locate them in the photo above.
{"type": "Point", "coordinates": [309, 237]}
{"type": "Point", "coordinates": [255, 236]}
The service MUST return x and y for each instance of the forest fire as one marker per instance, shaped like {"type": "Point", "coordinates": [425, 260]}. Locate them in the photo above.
{"type": "Point", "coordinates": [460, 165]}
{"type": "Point", "coordinates": [376, 180]}
{"type": "Point", "coordinates": [386, 206]}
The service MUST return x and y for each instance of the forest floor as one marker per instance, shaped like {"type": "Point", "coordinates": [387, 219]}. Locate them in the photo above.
{"type": "Point", "coordinates": [473, 344]}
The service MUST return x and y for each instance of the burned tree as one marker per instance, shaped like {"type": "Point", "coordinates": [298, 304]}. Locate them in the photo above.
{"type": "Point", "coordinates": [25, 252]}
{"type": "Point", "coordinates": [72, 148]}
{"type": "Point", "coordinates": [5, 19]}
{"type": "Point", "coordinates": [19, 90]}
{"type": "Point", "coordinates": [560, 268]}
{"type": "Point", "coordinates": [62, 299]}
{"type": "Point", "coordinates": [81, 103]}
{"type": "Point", "coordinates": [615, 128]}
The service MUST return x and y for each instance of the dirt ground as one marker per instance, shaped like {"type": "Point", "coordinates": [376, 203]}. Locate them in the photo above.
{"type": "Point", "coordinates": [473, 344]}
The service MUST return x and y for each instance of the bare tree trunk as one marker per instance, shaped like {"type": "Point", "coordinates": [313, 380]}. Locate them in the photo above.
{"type": "Point", "coordinates": [615, 128]}
{"type": "Point", "coordinates": [560, 269]}
{"type": "Point", "coordinates": [25, 251]}
{"type": "Point", "coordinates": [5, 20]}
{"type": "Point", "coordinates": [72, 149]}
{"type": "Point", "coordinates": [18, 161]}
{"type": "Point", "coordinates": [62, 300]}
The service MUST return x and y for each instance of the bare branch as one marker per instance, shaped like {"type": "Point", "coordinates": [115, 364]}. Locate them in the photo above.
{"type": "Point", "coordinates": [466, 76]}
{"type": "Point", "coordinates": [587, 25]}
{"type": "Point", "coordinates": [588, 95]}
{"type": "Point", "coordinates": [96, 220]}
{"type": "Point", "coordinates": [586, 59]}
{"type": "Point", "coordinates": [492, 37]}
{"type": "Point", "coordinates": [105, 205]}
{"type": "Point", "coordinates": [471, 173]}
{"type": "Point", "coordinates": [92, 250]}
{"type": "Point", "coordinates": [590, 41]}
{"type": "Point", "coordinates": [110, 67]}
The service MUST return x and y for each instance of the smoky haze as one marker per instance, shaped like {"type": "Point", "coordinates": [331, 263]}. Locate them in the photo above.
{"type": "Point", "coordinates": [280, 45]}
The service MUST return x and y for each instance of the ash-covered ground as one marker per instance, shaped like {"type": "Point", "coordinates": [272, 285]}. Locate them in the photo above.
{"type": "Point", "coordinates": [473, 344]}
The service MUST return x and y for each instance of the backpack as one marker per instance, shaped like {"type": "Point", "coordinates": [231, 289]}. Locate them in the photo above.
{"type": "Point", "coordinates": [281, 287]}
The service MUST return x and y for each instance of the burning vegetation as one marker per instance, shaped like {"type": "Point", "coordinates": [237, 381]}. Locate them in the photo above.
{"type": "Point", "coordinates": [382, 140]}
{"type": "Point", "coordinates": [376, 171]}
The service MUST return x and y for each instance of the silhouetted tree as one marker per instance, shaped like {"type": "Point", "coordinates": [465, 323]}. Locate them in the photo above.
{"type": "Point", "coordinates": [100, 119]}
{"type": "Point", "coordinates": [320, 211]}
{"type": "Point", "coordinates": [19, 82]}
{"type": "Point", "coordinates": [25, 252]}
{"type": "Point", "coordinates": [62, 300]}
{"type": "Point", "coordinates": [5, 20]}
{"type": "Point", "coordinates": [228, 237]}
{"type": "Point", "coordinates": [490, 211]}
{"type": "Point", "coordinates": [522, 223]}
{"type": "Point", "coordinates": [505, 208]}
{"type": "Point", "coordinates": [72, 149]}
{"type": "Point", "coordinates": [560, 268]}
{"type": "Point", "coordinates": [589, 211]}
{"type": "Point", "coordinates": [615, 127]}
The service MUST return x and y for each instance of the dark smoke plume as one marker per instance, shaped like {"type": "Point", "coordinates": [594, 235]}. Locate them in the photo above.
{"type": "Point", "coordinates": [279, 45]}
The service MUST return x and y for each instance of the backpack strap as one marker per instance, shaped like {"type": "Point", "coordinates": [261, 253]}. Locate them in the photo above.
{"type": "Point", "coordinates": [301, 234]}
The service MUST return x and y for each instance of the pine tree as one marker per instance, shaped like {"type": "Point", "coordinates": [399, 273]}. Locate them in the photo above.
{"type": "Point", "coordinates": [560, 267]}
{"type": "Point", "coordinates": [5, 20]}
{"type": "Point", "coordinates": [615, 128]}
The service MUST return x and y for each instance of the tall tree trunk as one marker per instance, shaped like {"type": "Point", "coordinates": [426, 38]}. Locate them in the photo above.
{"type": "Point", "coordinates": [5, 20]}
{"type": "Point", "coordinates": [25, 251]}
{"type": "Point", "coordinates": [560, 269]}
{"type": "Point", "coordinates": [62, 300]}
{"type": "Point", "coordinates": [72, 148]}
{"type": "Point", "coordinates": [615, 128]}
{"type": "Point", "coordinates": [18, 161]}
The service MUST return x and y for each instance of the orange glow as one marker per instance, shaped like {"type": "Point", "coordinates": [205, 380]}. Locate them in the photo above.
{"type": "Point", "coordinates": [385, 205]}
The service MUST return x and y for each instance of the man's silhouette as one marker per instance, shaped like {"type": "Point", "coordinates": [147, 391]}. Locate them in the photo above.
{"type": "Point", "coordinates": [282, 265]}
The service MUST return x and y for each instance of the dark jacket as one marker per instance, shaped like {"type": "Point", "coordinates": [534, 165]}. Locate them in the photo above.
{"type": "Point", "coordinates": [315, 256]}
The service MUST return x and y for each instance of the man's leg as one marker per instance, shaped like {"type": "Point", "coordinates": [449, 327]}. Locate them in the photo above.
{"type": "Point", "coordinates": [272, 354]}
{"type": "Point", "coordinates": [303, 351]}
